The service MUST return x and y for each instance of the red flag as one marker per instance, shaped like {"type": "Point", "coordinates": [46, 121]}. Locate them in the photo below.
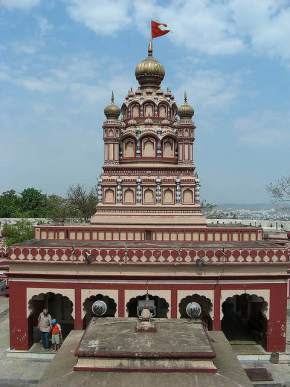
{"type": "Point", "coordinates": [157, 29]}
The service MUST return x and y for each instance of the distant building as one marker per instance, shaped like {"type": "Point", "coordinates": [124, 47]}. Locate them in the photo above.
{"type": "Point", "coordinates": [149, 232]}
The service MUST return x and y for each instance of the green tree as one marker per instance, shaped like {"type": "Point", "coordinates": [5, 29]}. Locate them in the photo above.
{"type": "Point", "coordinates": [19, 232]}
{"type": "Point", "coordinates": [83, 200]}
{"type": "Point", "coordinates": [60, 209]}
{"type": "Point", "coordinates": [34, 203]}
{"type": "Point", "coordinates": [9, 204]}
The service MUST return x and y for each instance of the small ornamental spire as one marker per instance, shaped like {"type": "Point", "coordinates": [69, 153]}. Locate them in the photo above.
{"type": "Point", "coordinates": [150, 48]}
{"type": "Point", "coordinates": [112, 98]}
{"type": "Point", "coordinates": [185, 97]}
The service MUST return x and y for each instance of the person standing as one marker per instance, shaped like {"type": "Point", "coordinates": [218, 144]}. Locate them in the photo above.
{"type": "Point", "coordinates": [44, 325]}
{"type": "Point", "coordinates": [56, 335]}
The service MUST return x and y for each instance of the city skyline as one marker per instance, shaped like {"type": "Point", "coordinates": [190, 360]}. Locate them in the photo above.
{"type": "Point", "coordinates": [59, 62]}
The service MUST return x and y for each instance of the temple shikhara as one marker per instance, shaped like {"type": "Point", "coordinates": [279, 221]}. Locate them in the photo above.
{"type": "Point", "coordinates": [148, 236]}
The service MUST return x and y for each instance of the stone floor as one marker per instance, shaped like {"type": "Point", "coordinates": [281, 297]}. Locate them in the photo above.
{"type": "Point", "coordinates": [16, 371]}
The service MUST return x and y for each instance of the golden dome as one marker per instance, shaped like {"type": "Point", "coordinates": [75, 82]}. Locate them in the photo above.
{"type": "Point", "coordinates": [112, 111]}
{"type": "Point", "coordinates": [149, 72]}
{"type": "Point", "coordinates": [185, 110]}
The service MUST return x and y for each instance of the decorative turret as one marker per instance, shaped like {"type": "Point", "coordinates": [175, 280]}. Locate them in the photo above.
{"type": "Point", "coordinates": [149, 72]}
{"type": "Point", "coordinates": [112, 111]}
{"type": "Point", "coordinates": [185, 110]}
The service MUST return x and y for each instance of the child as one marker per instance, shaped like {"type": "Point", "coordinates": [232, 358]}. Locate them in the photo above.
{"type": "Point", "coordinates": [56, 335]}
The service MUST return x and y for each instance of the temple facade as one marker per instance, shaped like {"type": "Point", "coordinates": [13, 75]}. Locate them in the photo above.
{"type": "Point", "coordinates": [149, 235]}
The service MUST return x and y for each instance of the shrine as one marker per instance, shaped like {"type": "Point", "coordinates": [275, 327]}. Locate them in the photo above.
{"type": "Point", "coordinates": [149, 235]}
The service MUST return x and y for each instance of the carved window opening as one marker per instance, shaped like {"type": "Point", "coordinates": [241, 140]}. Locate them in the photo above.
{"type": "Point", "coordinates": [135, 111]}
{"type": "Point", "coordinates": [129, 196]}
{"type": "Point", "coordinates": [187, 196]}
{"type": "Point", "coordinates": [149, 110]}
{"type": "Point", "coordinates": [162, 111]}
{"type": "Point", "coordinates": [148, 196]}
{"type": "Point", "coordinates": [148, 147]}
{"type": "Point", "coordinates": [109, 196]}
{"type": "Point", "coordinates": [168, 197]}
{"type": "Point", "coordinates": [129, 148]}
{"type": "Point", "coordinates": [168, 148]}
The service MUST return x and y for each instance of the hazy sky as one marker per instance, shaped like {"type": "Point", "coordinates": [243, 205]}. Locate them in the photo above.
{"type": "Point", "coordinates": [60, 59]}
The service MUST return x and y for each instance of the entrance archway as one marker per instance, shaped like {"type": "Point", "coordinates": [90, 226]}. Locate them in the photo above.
{"type": "Point", "coordinates": [206, 308]}
{"type": "Point", "coordinates": [244, 318]}
{"type": "Point", "coordinates": [59, 307]}
{"type": "Point", "coordinates": [87, 305]}
{"type": "Point", "coordinates": [161, 304]}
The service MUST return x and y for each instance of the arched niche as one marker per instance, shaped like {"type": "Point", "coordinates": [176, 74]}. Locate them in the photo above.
{"type": "Point", "coordinates": [129, 148]}
{"type": "Point", "coordinates": [162, 111]}
{"type": "Point", "coordinates": [87, 307]}
{"type": "Point", "coordinates": [162, 306]}
{"type": "Point", "coordinates": [135, 111]}
{"type": "Point", "coordinates": [59, 306]}
{"type": "Point", "coordinates": [109, 195]}
{"type": "Point", "coordinates": [148, 196]}
{"type": "Point", "coordinates": [168, 147]}
{"type": "Point", "coordinates": [168, 197]}
{"type": "Point", "coordinates": [206, 308]}
{"type": "Point", "coordinates": [148, 110]}
{"type": "Point", "coordinates": [187, 196]}
{"type": "Point", "coordinates": [244, 318]}
{"type": "Point", "coordinates": [148, 147]}
{"type": "Point", "coordinates": [129, 196]}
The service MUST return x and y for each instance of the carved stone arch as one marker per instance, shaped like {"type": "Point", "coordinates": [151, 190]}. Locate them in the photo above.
{"type": "Point", "coordinates": [162, 306]}
{"type": "Point", "coordinates": [129, 196]}
{"type": "Point", "coordinates": [187, 196]}
{"type": "Point", "coordinates": [173, 110]}
{"type": "Point", "coordinates": [148, 146]}
{"type": "Point", "coordinates": [124, 111]}
{"type": "Point", "coordinates": [148, 196]}
{"type": "Point", "coordinates": [163, 110]}
{"type": "Point", "coordinates": [168, 196]}
{"type": "Point", "coordinates": [110, 132]}
{"type": "Point", "coordinates": [149, 109]}
{"type": "Point", "coordinates": [109, 196]}
{"type": "Point", "coordinates": [87, 307]}
{"type": "Point", "coordinates": [59, 306]}
{"type": "Point", "coordinates": [168, 147]}
{"type": "Point", "coordinates": [129, 147]}
{"type": "Point", "coordinates": [245, 317]}
{"type": "Point", "coordinates": [134, 109]}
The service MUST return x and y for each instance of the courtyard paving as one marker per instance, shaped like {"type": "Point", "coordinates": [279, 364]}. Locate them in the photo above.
{"type": "Point", "coordinates": [16, 372]}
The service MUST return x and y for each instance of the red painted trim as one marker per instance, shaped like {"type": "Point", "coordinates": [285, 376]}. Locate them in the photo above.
{"type": "Point", "coordinates": [146, 355]}
{"type": "Point", "coordinates": [174, 303]}
{"type": "Point", "coordinates": [121, 303]}
{"type": "Point", "coordinates": [78, 324]}
{"type": "Point", "coordinates": [155, 370]}
{"type": "Point", "coordinates": [177, 277]}
{"type": "Point", "coordinates": [277, 324]}
{"type": "Point", "coordinates": [217, 302]}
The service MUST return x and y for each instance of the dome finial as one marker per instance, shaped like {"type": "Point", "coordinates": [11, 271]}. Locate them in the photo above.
{"type": "Point", "coordinates": [112, 97]}
{"type": "Point", "coordinates": [185, 97]}
{"type": "Point", "coordinates": [150, 48]}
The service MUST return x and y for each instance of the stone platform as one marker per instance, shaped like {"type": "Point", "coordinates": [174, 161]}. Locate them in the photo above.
{"type": "Point", "coordinates": [111, 344]}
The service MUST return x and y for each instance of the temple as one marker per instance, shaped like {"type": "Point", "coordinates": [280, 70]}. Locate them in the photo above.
{"type": "Point", "coordinates": [149, 234]}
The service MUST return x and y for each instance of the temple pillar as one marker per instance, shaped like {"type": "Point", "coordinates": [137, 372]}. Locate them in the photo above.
{"type": "Point", "coordinates": [121, 303]}
{"type": "Point", "coordinates": [78, 310]}
{"type": "Point", "coordinates": [18, 321]}
{"type": "Point", "coordinates": [217, 308]}
{"type": "Point", "coordinates": [276, 328]}
{"type": "Point", "coordinates": [173, 303]}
